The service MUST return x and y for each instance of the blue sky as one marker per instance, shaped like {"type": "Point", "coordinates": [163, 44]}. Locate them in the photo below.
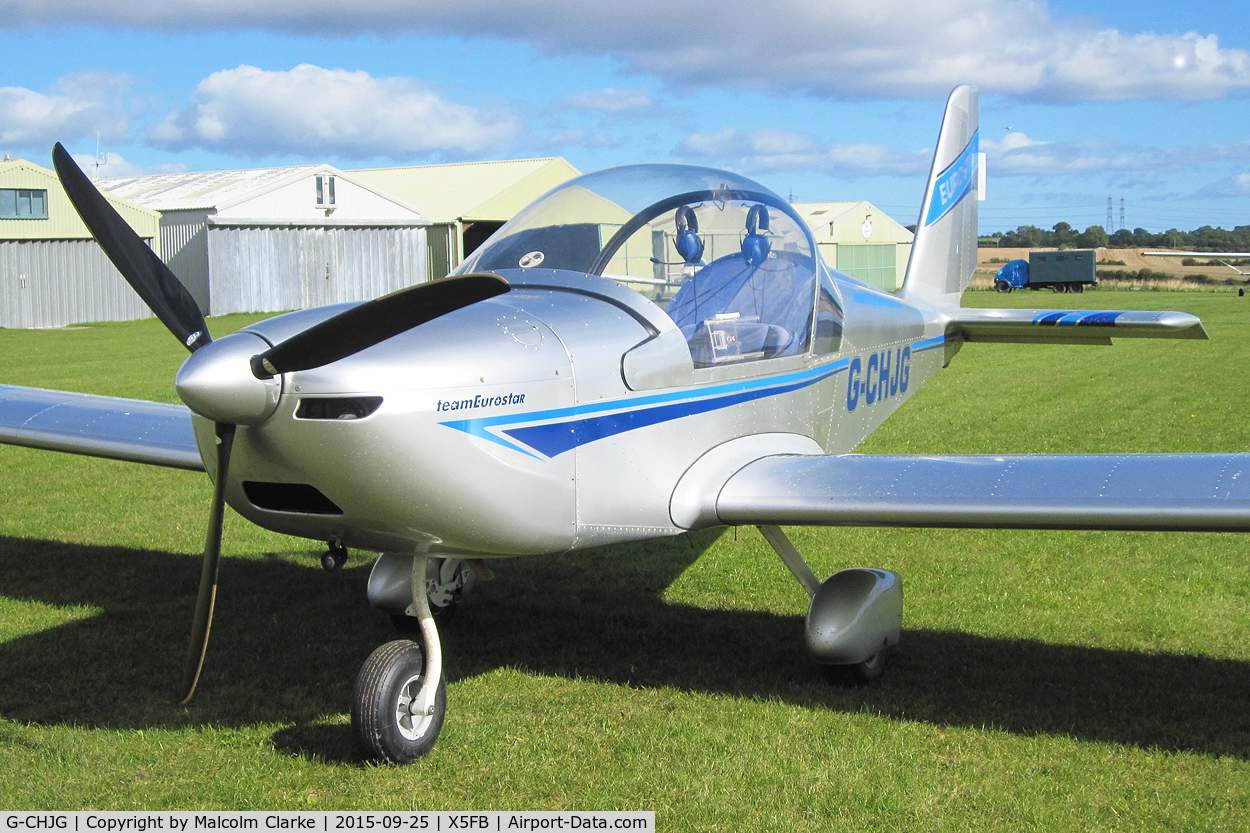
{"type": "Point", "coordinates": [1143, 101]}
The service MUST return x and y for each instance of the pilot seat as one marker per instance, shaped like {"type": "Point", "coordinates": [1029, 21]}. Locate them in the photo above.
{"type": "Point", "coordinates": [755, 303]}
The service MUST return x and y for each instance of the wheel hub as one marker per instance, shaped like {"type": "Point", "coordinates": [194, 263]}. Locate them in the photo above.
{"type": "Point", "coordinates": [410, 720]}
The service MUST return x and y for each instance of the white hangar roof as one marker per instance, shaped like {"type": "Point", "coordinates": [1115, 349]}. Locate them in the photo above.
{"type": "Point", "coordinates": [283, 194]}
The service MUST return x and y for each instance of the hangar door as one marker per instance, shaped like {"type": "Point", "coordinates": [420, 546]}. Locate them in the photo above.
{"type": "Point", "coordinates": [270, 269]}
{"type": "Point", "coordinates": [872, 264]}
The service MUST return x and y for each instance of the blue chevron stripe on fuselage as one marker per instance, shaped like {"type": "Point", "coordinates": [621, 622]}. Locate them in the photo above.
{"type": "Point", "coordinates": [552, 432]}
{"type": "Point", "coordinates": [549, 433]}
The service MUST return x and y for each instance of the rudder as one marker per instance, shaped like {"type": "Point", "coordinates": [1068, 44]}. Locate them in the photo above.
{"type": "Point", "coordinates": [944, 253]}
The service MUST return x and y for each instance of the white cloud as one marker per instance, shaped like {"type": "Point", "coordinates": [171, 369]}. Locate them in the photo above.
{"type": "Point", "coordinates": [1018, 155]}
{"type": "Point", "coordinates": [845, 49]}
{"type": "Point", "coordinates": [82, 105]}
{"type": "Point", "coordinates": [1010, 141]}
{"type": "Point", "coordinates": [759, 152]}
{"type": "Point", "coordinates": [560, 140]}
{"type": "Point", "coordinates": [111, 165]}
{"type": "Point", "coordinates": [309, 111]}
{"type": "Point", "coordinates": [610, 100]}
{"type": "Point", "coordinates": [1233, 186]}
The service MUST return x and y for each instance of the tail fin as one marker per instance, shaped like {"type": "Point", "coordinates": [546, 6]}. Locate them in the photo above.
{"type": "Point", "coordinates": [944, 253]}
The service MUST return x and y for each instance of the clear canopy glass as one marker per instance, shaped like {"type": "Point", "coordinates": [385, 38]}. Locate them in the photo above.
{"type": "Point", "coordinates": [731, 262]}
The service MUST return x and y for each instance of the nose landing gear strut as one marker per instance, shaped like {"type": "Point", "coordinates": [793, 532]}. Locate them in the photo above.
{"type": "Point", "coordinates": [400, 698]}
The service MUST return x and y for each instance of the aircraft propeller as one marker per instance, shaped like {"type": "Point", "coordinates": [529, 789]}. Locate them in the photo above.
{"type": "Point", "coordinates": [159, 288]}
{"type": "Point", "coordinates": [217, 386]}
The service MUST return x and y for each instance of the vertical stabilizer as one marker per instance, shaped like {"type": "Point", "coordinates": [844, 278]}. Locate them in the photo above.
{"type": "Point", "coordinates": [944, 253]}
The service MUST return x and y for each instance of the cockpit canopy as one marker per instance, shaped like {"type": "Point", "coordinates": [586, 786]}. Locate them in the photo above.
{"type": "Point", "coordinates": [730, 262]}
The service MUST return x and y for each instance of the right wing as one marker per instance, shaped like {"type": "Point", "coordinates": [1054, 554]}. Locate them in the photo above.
{"type": "Point", "coordinates": [100, 426]}
{"type": "Point", "coordinates": [1190, 492]}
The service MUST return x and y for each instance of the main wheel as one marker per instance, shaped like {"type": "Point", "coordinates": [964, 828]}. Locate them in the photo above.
{"type": "Point", "coordinates": [861, 673]}
{"type": "Point", "coordinates": [384, 701]}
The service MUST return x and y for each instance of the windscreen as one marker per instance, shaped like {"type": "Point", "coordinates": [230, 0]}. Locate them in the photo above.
{"type": "Point", "coordinates": [730, 261]}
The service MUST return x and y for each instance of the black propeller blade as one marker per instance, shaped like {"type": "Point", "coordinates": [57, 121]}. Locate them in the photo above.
{"type": "Point", "coordinates": [207, 599]}
{"type": "Point", "coordinates": [157, 286]}
{"type": "Point", "coordinates": [374, 322]}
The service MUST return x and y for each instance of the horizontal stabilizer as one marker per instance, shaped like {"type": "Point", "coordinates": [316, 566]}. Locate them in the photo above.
{"type": "Point", "coordinates": [1051, 326]}
{"type": "Point", "coordinates": [1190, 492]}
{"type": "Point", "coordinates": [99, 426]}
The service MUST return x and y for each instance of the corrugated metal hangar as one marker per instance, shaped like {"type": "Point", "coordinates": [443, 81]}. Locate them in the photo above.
{"type": "Point", "coordinates": [52, 273]}
{"type": "Point", "coordinates": [274, 239]}
{"type": "Point", "coordinates": [860, 240]}
{"type": "Point", "coordinates": [468, 201]}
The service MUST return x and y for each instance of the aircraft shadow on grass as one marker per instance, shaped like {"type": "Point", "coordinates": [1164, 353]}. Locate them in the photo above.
{"type": "Point", "coordinates": [289, 637]}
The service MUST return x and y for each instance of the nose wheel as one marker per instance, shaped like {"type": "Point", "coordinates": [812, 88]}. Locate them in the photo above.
{"type": "Point", "coordinates": [334, 557]}
{"type": "Point", "coordinates": [391, 720]}
{"type": "Point", "coordinates": [400, 698]}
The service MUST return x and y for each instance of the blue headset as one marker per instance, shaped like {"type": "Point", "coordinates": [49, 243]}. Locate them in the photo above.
{"type": "Point", "coordinates": [689, 244]}
{"type": "Point", "coordinates": [756, 246]}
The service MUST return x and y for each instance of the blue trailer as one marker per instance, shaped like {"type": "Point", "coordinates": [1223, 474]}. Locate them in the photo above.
{"type": "Point", "coordinates": [1070, 270]}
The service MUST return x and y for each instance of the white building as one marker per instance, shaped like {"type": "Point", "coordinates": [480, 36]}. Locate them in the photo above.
{"type": "Point", "coordinates": [860, 240]}
{"type": "Point", "coordinates": [273, 239]}
{"type": "Point", "coordinates": [52, 273]}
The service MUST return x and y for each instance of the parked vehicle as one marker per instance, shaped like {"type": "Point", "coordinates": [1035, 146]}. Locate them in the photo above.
{"type": "Point", "coordinates": [1068, 270]}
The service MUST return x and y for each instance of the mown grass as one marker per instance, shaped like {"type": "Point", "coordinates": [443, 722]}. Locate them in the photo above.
{"type": "Point", "coordinates": [1046, 681]}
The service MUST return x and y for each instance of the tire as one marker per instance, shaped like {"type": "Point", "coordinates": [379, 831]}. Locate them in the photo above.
{"type": "Point", "coordinates": [861, 673]}
{"type": "Point", "coordinates": [390, 679]}
{"type": "Point", "coordinates": [1058, 288]}
{"type": "Point", "coordinates": [1002, 287]}
{"type": "Point", "coordinates": [1078, 287]}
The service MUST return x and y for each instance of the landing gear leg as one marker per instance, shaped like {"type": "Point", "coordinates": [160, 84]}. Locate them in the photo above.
{"type": "Point", "coordinates": [400, 698]}
{"type": "Point", "coordinates": [791, 557]}
{"type": "Point", "coordinates": [855, 616]}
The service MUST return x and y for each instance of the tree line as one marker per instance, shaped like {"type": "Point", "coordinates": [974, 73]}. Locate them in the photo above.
{"type": "Point", "coordinates": [1205, 239]}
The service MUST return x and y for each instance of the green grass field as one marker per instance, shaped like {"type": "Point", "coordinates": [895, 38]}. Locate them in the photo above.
{"type": "Point", "coordinates": [1045, 681]}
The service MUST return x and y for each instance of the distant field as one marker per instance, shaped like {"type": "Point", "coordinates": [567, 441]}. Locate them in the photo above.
{"type": "Point", "coordinates": [1045, 681]}
{"type": "Point", "coordinates": [1207, 275]}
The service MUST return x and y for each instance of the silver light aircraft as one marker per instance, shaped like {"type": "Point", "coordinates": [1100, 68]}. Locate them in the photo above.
{"type": "Point", "coordinates": [538, 400]}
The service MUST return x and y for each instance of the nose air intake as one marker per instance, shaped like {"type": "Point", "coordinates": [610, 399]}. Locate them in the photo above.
{"type": "Point", "coordinates": [289, 497]}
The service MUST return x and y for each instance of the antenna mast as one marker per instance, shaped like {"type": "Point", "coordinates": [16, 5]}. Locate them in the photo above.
{"type": "Point", "coordinates": [99, 160]}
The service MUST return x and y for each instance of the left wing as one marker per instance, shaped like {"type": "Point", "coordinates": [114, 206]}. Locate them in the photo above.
{"type": "Point", "coordinates": [1189, 492]}
{"type": "Point", "coordinates": [100, 426]}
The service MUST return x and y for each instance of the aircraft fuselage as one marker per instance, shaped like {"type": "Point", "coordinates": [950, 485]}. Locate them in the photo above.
{"type": "Point", "coordinates": [550, 418]}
